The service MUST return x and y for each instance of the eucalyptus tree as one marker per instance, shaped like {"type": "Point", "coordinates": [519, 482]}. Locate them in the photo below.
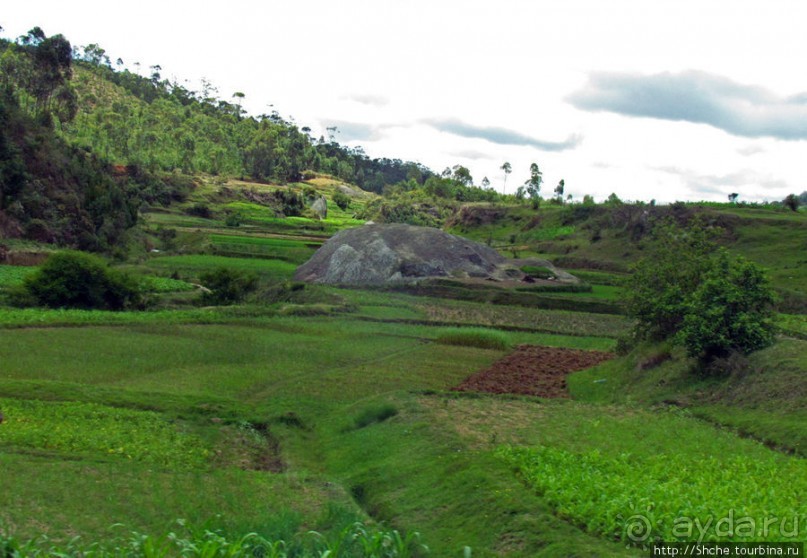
{"type": "Point", "coordinates": [507, 168]}
{"type": "Point", "coordinates": [533, 185]}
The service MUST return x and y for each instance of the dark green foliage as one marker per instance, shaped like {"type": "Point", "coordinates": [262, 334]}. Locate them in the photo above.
{"type": "Point", "coordinates": [78, 280]}
{"type": "Point", "coordinates": [792, 202]}
{"type": "Point", "coordinates": [708, 302]}
{"type": "Point", "coordinates": [227, 286]}
{"type": "Point", "coordinates": [233, 219]}
{"type": "Point", "coordinates": [341, 200]}
{"type": "Point", "coordinates": [729, 311]}
{"type": "Point", "coordinates": [657, 292]}
{"type": "Point", "coordinates": [200, 210]}
{"type": "Point", "coordinates": [168, 127]}
{"type": "Point", "coordinates": [374, 415]}
{"type": "Point", "coordinates": [291, 203]}
{"type": "Point", "coordinates": [52, 192]}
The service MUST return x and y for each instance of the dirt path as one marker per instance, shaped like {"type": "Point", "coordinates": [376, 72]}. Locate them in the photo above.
{"type": "Point", "coordinates": [533, 370]}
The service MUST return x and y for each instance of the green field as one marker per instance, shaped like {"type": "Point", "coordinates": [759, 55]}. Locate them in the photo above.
{"type": "Point", "coordinates": [300, 411]}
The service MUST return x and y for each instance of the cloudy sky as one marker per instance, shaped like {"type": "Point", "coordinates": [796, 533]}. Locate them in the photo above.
{"type": "Point", "coordinates": [665, 100]}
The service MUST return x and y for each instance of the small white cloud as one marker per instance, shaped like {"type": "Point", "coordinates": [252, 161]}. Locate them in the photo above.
{"type": "Point", "coordinates": [750, 150]}
{"type": "Point", "coordinates": [369, 99]}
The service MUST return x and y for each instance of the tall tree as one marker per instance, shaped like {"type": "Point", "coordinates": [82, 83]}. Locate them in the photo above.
{"type": "Point", "coordinates": [485, 183]}
{"type": "Point", "coordinates": [559, 190]}
{"type": "Point", "coordinates": [533, 185]}
{"type": "Point", "coordinates": [507, 170]}
{"type": "Point", "coordinates": [462, 175]}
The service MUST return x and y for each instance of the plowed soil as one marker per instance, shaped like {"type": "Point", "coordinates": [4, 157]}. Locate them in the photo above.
{"type": "Point", "coordinates": [533, 370]}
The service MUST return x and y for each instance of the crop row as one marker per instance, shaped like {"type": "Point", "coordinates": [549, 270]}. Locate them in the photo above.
{"type": "Point", "coordinates": [355, 541]}
{"type": "Point", "coordinates": [637, 498]}
{"type": "Point", "coordinates": [89, 428]}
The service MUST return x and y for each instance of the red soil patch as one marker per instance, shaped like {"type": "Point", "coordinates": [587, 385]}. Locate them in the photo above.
{"type": "Point", "coordinates": [533, 370]}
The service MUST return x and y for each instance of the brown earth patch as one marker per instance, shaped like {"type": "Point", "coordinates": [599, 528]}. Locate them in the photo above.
{"type": "Point", "coordinates": [533, 370]}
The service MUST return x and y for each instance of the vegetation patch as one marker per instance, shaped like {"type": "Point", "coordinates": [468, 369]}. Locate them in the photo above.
{"type": "Point", "coordinates": [89, 428]}
{"type": "Point", "coordinates": [474, 337]}
{"type": "Point", "coordinates": [373, 415]}
{"type": "Point", "coordinates": [154, 284]}
{"type": "Point", "coordinates": [79, 280]}
{"type": "Point", "coordinates": [358, 540]}
{"type": "Point", "coordinates": [641, 498]}
{"type": "Point", "coordinates": [13, 275]}
{"type": "Point", "coordinates": [538, 272]}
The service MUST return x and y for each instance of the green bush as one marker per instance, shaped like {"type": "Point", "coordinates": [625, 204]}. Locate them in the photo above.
{"type": "Point", "coordinates": [227, 286]}
{"type": "Point", "coordinates": [200, 210]}
{"type": "Point", "coordinates": [341, 200]}
{"type": "Point", "coordinates": [696, 295]}
{"type": "Point", "coordinates": [77, 280]}
{"type": "Point", "coordinates": [730, 311]}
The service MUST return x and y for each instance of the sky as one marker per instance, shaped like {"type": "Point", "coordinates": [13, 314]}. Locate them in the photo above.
{"type": "Point", "coordinates": [665, 100]}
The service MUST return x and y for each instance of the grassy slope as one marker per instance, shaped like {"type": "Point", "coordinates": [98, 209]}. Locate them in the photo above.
{"type": "Point", "coordinates": [246, 371]}
{"type": "Point", "coordinates": [772, 237]}
{"type": "Point", "coordinates": [764, 398]}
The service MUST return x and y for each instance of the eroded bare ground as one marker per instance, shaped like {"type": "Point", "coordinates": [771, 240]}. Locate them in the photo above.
{"type": "Point", "coordinates": [533, 370]}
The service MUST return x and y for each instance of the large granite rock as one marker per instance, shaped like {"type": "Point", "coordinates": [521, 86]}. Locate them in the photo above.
{"type": "Point", "coordinates": [381, 254]}
{"type": "Point", "coordinates": [320, 207]}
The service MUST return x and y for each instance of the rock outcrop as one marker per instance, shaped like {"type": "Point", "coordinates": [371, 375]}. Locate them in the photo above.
{"type": "Point", "coordinates": [379, 254]}
{"type": "Point", "coordinates": [320, 207]}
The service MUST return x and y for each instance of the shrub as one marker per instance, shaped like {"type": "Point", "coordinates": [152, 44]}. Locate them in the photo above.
{"type": "Point", "coordinates": [704, 300]}
{"type": "Point", "coordinates": [792, 202]}
{"type": "Point", "coordinates": [729, 311]}
{"type": "Point", "coordinates": [227, 286]}
{"type": "Point", "coordinates": [662, 281]}
{"type": "Point", "coordinates": [200, 210]}
{"type": "Point", "coordinates": [77, 280]}
{"type": "Point", "coordinates": [341, 200]}
{"type": "Point", "coordinates": [233, 220]}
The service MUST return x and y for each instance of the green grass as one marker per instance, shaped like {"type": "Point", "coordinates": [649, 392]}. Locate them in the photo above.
{"type": "Point", "coordinates": [762, 397]}
{"type": "Point", "coordinates": [598, 292]}
{"type": "Point", "coordinates": [45, 317]}
{"type": "Point", "coordinates": [600, 277]}
{"type": "Point", "coordinates": [43, 495]}
{"type": "Point", "coordinates": [474, 337]}
{"type": "Point", "coordinates": [355, 407]}
{"type": "Point", "coordinates": [12, 275]}
{"type": "Point", "coordinates": [199, 263]}
{"type": "Point", "coordinates": [558, 321]}
{"type": "Point", "coordinates": [793, 324]}
{"type": "Point", "coordinates": [164, 285]}
{"type": "Point", "coordinates": [416, 469]}
{"type": "Point", "coordinates": [294, 251]}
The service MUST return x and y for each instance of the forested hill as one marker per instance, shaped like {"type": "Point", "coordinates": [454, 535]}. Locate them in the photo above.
{"type": "Point", "coordinates": [70, 122]}
{"type": "Point", "coordinates": [159, 124]}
